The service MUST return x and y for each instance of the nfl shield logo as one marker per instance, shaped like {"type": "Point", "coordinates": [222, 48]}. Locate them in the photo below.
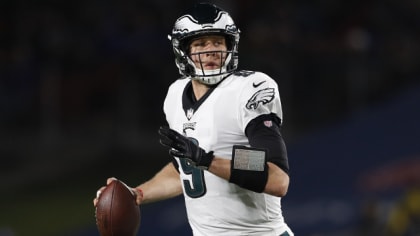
{"type": "Point", "coordinates": [268, 123]}
{"type": "Point", "coordinates": [190, 113]}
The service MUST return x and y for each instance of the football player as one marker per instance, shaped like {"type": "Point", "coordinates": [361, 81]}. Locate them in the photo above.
{"type": "Point", "coordinates": [229, 157]}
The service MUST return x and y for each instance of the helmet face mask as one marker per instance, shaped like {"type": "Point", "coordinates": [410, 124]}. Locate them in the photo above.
{"type": "Point", "coordinates": [212, 76]}
{"type": "Point", "coordinates": [205, 19]}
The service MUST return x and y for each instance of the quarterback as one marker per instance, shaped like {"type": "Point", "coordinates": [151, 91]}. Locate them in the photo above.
{"type": "Point", "coordinates": [229, 159]}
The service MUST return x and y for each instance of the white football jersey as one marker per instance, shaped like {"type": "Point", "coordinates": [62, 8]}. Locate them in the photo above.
{"type": "Point", "coordinates": [218, 121]}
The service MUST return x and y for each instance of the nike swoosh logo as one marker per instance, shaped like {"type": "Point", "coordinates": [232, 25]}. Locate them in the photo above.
{"type": "Point", "coordinates": [256, 85]}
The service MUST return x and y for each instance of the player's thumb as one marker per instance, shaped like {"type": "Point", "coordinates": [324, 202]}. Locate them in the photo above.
{"type": "Point", "coordinates": [109, 180]}
{"type": "Point", "coordinates": [176, 153]}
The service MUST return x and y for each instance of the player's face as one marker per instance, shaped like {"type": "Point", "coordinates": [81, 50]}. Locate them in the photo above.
{"type": "Point", "coordinates": [208, 52]}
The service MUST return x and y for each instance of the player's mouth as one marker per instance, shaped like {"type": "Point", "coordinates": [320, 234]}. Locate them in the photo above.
{"type": "Point", "coordinates": [210, 65]}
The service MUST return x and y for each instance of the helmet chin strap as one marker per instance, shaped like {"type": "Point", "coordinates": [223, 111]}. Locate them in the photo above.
{"type": "Point", "coordinates": [209, 80]}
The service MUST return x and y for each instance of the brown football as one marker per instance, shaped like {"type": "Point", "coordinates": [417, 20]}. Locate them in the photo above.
{"type": "Point", "coordinates": [117, 213]}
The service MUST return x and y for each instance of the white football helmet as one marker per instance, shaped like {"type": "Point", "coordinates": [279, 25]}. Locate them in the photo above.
{"type": "Point", "coordinates": [205, 19]}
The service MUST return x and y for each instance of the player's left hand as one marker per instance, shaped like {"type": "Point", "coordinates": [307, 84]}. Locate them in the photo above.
{"type": "Point", "coordinates": [184, 147]}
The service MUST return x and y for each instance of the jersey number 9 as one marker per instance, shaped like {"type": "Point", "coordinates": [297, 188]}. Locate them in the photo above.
{"type": "Point", "coordinates": [196, 187]}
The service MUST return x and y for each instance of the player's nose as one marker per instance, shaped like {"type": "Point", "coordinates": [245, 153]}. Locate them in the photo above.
{"type": "Point", "coordinates": [211, 53]}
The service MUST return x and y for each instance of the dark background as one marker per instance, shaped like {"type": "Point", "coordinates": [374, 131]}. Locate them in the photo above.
{"type": "Point", "coordinates": [82, 85]}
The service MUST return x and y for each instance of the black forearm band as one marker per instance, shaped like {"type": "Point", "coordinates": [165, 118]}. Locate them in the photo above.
{"type": "Point", "coordinates": [249, 168]}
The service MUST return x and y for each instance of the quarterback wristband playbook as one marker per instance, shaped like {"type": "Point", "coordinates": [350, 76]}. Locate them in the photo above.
{"type": "Point", "coordinates": [249, 168]}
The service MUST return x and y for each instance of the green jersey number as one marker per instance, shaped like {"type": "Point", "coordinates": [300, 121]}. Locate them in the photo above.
{"type": "Point", "coordinates": [196, 187]}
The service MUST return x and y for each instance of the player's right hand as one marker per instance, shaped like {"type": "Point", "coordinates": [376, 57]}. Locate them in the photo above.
{"type": "Point", "coordinates": [135, 191]}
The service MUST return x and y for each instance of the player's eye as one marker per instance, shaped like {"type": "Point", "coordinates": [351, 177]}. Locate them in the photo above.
{"type": "Point", "coordinates": [218, 43]}
{"type": "Point", "coordinates": [199, 44]}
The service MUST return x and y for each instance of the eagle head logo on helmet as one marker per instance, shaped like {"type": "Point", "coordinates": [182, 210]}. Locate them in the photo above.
{"type": "Point", "coordinates": [205, 19]}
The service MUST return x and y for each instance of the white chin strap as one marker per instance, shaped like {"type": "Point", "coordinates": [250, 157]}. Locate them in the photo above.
{"type": "Point", "coordinates": [210, 80]}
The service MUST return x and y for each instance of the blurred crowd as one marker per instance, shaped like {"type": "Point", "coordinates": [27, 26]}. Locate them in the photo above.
{"type": "Point", "coordinates": [69, 64]}
{"type": "Point", "coordinates": [99, 69]}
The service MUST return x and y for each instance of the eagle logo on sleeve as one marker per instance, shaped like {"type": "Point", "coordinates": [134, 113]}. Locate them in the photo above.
{"type": "Point", "coordinates": [262, 96]}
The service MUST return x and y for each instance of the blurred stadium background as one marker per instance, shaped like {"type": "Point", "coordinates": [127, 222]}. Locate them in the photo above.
{"type": "Point", "coordinates": [82, 85]}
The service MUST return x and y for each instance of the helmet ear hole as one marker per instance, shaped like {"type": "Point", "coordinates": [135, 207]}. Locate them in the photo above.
{"type": "Point", "coordinates": [189, 70]}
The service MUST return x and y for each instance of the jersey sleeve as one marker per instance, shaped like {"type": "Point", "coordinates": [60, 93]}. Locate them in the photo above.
{"type": "Point", "coordinates": [259, 96]}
